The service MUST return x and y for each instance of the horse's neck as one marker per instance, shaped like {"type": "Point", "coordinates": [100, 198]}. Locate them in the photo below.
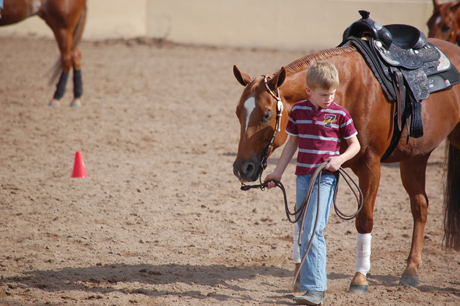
{"type": "Point", "coordinates": [293, 89]}
{"type": "Point", "coordinates": [350, 63]}
{"type": "Point", "coordinates": [347, 60]}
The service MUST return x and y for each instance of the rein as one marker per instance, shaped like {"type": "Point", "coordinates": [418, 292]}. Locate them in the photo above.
{"type": "Point", "coordinates": [300, 213]}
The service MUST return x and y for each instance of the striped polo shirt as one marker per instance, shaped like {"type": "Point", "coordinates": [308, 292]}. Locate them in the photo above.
{"type": "Point", "coordinates": [320, 133]}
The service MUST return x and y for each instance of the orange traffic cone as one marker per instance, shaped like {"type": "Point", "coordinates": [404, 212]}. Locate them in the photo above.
{"type": "Point", "coordinates": [79, 170]}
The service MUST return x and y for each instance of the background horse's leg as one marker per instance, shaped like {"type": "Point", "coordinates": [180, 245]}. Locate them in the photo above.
{"type": "Point", "coordinates": [63, 37]}
{"type": "Point", "coordinates": [413, 179]}
{"type": "Point", "coordinates": [60, 89]}
{"type": "Point", "coordinates": [77, 79]}
{"type": "Point", "coordinates": [76, 59]}
{"type": "Point", "coordinates": [68, 29]}
{"type": "Point", "coordinates": [369, 179]}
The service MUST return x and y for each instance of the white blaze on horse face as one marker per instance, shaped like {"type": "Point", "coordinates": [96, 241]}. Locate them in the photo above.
{"type": "Point", "coordinates": [36, 5]}
{"type": "Point", "coordinates": [249, 105]}
{"type": "Point", "coordinates": [438, 20]}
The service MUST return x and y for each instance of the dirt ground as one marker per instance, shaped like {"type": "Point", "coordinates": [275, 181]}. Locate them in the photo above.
{"type": "Point", "coordinates": [160, 219]}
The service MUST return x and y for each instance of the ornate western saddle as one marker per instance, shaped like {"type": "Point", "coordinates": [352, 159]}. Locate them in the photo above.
{"type": "Point", "coordinates": [407, 66]}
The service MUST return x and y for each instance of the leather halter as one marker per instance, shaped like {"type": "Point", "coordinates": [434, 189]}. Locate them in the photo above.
{"type": "Point", "coordinates": [279, 113]}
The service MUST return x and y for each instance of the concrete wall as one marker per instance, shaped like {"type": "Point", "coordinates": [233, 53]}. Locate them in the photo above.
{"type": "Point", "coordinates": [285, 24]}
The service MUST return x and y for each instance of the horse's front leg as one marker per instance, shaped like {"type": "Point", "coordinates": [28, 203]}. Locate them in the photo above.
{"type": "Point", "coordinates": [369, 179]}
{"type": "Point", "coordinates": [413, 178]}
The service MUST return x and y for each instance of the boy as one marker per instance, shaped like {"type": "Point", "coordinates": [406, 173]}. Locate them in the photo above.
{"type": "Point", "coordinates": [316, 127]}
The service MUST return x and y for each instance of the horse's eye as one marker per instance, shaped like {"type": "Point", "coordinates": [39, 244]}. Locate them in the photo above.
{"type": "Point", "coordinates": [445, 28]}
{"type": "Point", "coordinates": [268, 116]}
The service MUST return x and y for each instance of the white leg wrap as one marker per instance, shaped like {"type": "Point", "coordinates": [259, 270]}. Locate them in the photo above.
{"type": "Point", "coordinates": [363, 253]}
{"type": "Point", "coordinates": [296, 247]}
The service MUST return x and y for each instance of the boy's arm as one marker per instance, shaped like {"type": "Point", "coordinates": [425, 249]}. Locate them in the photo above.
{"type": "Point", "coordinates": [336, 162]}
{"type": "Point", "coordinates": [288, 152]}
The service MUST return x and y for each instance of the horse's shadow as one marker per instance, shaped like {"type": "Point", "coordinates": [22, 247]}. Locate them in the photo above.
{"type": "Point", "coordinates": [105, 279]}
{"type": "Point", "coordinates": [100, 280]}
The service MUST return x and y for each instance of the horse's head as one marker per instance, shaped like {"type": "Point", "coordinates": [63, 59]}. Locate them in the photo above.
{"type": "Point", "coordinates": [257, 113]}
{"type": "Point", "coordinates": [444, 23]}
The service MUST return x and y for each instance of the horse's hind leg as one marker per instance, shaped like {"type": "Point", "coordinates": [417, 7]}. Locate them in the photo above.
{"type": "Point", "coordinates": [77, 79]}
{"type": "Point", "coordinates": [76, 58]}
{"type": "Point", "coordinates": [64, 40]}
{"type": "Point", "coordinates": [413, 179]}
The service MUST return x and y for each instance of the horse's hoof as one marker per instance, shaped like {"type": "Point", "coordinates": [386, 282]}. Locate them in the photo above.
{"type": "Point", "coordinates": [409, 281]}
{"type": "Point", "coordinates": [75, 103]}
{"type": "Point", "coordinates": [54, 103]}
{"type": "Point", "coordinates": [358, 289]}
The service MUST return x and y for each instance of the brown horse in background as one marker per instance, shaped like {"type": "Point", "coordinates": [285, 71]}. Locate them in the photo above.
{"type": "Point", "coordinates": [445, 22]}
{"type": "Point", "coordinates": [361, 94]}
{"type": "Point", "coordinates": [67, 20]}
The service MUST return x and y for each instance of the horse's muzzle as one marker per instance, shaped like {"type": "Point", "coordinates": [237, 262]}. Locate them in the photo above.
{"type": "Point", "coordinates": [247, 171]}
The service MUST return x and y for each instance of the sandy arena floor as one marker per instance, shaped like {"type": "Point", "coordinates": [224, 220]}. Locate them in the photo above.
{"type": "Point", "coordinates": [161, 220]}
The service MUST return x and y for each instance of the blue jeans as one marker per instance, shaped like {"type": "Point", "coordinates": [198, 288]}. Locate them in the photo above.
{"type": "Point", "coordinates": [313, 275]}
{"type": "Point", "coordinates": [1, 4]}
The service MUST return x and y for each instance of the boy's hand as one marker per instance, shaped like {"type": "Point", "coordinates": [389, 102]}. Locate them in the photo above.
{"type": "Point", "coordinates": [334, 164]}
{"type": "Point", "coordinates": [270, 178]}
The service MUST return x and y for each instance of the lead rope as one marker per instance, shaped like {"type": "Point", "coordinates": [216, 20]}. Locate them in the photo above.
{"type": "Point", "coordinates": [300, 213]}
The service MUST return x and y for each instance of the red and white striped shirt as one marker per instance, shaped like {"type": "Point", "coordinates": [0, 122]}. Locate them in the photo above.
{"type": "Point", "coordinates": [320, 132]}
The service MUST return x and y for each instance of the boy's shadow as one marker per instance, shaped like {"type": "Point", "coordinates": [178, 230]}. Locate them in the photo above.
{"type": "Point", "coordinates": [101, 279]}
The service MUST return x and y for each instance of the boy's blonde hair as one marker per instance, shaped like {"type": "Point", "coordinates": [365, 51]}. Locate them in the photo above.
{"type": "Point", "coordinates": [322, 75]}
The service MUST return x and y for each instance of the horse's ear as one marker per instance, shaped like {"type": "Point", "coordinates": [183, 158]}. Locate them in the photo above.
{"type": "Point", "coordinates": [282, 77]}
{"type": "Point", "coordinates": [278, 79]}
{"type": "Point", "coordinates": [242, 77]}
{"type": "Point", "coordinates": [455, 7]}
{"type": "Point", "coordinates": [435, 4]}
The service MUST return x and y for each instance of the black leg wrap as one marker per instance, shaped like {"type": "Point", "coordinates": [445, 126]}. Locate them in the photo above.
{"type": "Point", "coordinates": [416, 128]}
{"type": "Point", "coordinates": [77, 84]}
{"type": "Point", "coordinates": [60, 87]}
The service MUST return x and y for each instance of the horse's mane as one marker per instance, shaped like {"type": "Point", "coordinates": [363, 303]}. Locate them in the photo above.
{"type": "Point", "coordinates": [304, 62]}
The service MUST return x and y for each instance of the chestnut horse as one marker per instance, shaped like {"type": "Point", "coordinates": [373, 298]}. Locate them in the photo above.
{"type": "Point", "coordinates": [361, 94]}
{"type": "Point", "coordinates": [67, 20]}
{"type": "Point", "coordinates": [445, 22]}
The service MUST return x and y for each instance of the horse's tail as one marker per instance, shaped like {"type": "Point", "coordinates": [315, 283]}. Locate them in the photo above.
{"type": "Point", "coordinates": [452, 199]}
{"type": "Point", "coordinates": [76, 38]}
{"type": "Point", "coordinates": [78, 31]}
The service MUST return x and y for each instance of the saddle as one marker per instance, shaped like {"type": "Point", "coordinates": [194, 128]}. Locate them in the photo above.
{"type": "Point", "coordinates": [406, 65]}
